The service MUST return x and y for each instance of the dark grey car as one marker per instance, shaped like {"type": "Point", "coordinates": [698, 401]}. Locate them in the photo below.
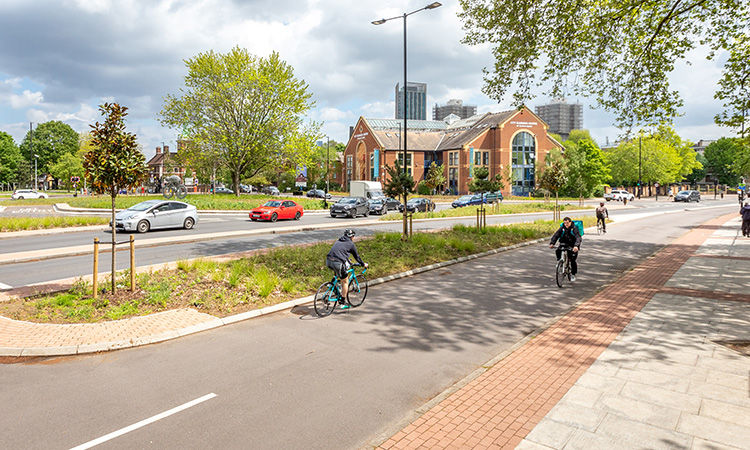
{"type": "Point", "coordinates": [350, 207]}
{"type": "Point", "coordinates": [688, 196]}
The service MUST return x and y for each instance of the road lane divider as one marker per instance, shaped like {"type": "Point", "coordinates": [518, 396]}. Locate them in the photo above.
{"type": "Point", "coordinates": [143, 423]}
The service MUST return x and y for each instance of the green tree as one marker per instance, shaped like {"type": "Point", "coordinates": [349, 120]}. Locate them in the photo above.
{"type": "Point", "coordinates": [435, 176]}
{"type": "Point", "coordinates": [49, 140]}
{"type": "Point", "coordinates": [481, 184]}
{"type": "Point", "coordinates": [721, 156]}
{"type": "Point", "coordinates": [742, 159]}
{"type": "Point", "coordinates": [115, 162]}
{"type": "Point", "coordinates": [10, 157]}
{"type": "Point", "coordinates": [247, 110]}
{"type": "Point", "coordinates": [399, 185]}
{"type": "Point", "coordinates": [67, 166]}
{"type": "Point", "coordinates": [619, 51]}
{"type": "Point", "coordinates": [553, 178]}
{"type": "Point", "coordinates": [734, 87]}
{"type": "Point", "coordinates": [698, 173]}
{"type": "Point", "coordinates": [587, 168]}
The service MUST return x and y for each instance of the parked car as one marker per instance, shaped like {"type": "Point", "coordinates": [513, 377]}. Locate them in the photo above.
{"type": "Point", "coordinates": [392, 203]}
{"type": "Point", "coordinates": [618, 195]}
{"type": "Point", "coordinates": [155, 215]}
{"type": "Point", "coordinates": [318, 193]}
{"type": "Point", "coordinates": [277, 209]}
{"type": "Point", "coordinates": [418, 204]}
{"type": "Point", "coordinates": [350, 207]}
{"type": "Point", "coordinates": [467, 200]}
{"type": "Point", "coordinates": [223, 190]}
{"type": "Point", "coordinates": [378, 206]}
{"type": "Point", "coordinates": [688, 196]}
{"type": "Point", "coordinates": [21, 194]}
{"type": "Point", "coordinates": [493, 197]}
{"type": "Point", "coordinates": [270, 190]}
{"type": "Point", "coordinates": [247, 189]}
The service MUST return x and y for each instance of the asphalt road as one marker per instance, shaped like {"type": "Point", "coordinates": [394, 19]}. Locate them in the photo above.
{"type": "Point", "coordinates": [292, 381]}
{"type": "Point", "coordinates": [34, 259]}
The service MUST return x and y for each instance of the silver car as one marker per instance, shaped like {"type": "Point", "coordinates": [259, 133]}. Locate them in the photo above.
{"type": "Point", "coordinates": [155, 215]}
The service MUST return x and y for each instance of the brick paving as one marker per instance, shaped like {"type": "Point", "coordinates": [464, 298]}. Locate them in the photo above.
{"type": "Point", "coordinates": [500, 407]}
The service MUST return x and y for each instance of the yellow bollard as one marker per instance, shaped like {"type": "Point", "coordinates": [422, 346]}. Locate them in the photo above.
{"type": "Point", "coordinates": [132, 263]}
{"type": "Point", "coordinates": [96, 267]}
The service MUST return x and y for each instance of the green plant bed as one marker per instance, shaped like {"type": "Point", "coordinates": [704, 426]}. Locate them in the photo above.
{"type": "Point", "coordinates": [39, 223]}
{"type": "Point", "coordinates": [281, 274]}
{"type": "Point", "coordinates": [201, 201]}
{"type": "Point", "coordinates": [471, 211]}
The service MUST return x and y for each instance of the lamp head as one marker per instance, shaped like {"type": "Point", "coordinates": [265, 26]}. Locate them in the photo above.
{"type": "Point", "coordinates": [433, 5]}
{"type": "Point", "coordinates": [378, 22]}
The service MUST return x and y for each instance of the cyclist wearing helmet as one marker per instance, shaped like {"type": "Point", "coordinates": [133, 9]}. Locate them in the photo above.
{"type": "Point", "coordinates": [601, 212]}
{"type": "Point", "coordinates": [570, 238]}
{"type": "Point", "coordinates": [338, 258]}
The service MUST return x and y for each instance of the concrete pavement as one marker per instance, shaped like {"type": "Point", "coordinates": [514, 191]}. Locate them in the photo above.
{"type": "Point", "coordinates": [642, 364]}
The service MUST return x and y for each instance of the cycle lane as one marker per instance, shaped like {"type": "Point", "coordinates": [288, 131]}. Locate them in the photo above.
{"type": "Point", "coordinates": [557, 390]}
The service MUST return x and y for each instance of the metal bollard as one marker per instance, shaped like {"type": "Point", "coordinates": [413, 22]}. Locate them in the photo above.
{"type": "Point", "coordinates": [132, 263]}
{"type": "Point", "coordinates": [96, 267]}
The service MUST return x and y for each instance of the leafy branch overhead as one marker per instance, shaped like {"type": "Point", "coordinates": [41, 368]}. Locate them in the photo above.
{"type": "Point", "coordinates": [619, 51]}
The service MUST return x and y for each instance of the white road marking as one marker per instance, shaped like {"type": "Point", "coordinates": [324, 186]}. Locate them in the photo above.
{"type": "Point", "coordinates": [5, 286]}
{"type": "Point", "coordinates": [143, 423]}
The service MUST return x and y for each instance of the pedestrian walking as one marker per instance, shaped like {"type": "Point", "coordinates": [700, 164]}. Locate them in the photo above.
{"type": "Point", "coordinates": [745, 213]}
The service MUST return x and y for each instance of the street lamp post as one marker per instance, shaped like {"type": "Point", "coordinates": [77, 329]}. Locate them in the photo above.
{"type": "Point", "coordinates": [36, 178]}
{"type": "Point", "coordinates": [640, 182]}
{"type": "Point", "coordinates": [328, 164]}
{"type": "Point", "coordinates": [432, 5]}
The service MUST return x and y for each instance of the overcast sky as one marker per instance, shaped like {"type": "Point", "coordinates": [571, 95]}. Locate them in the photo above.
{"type": "Point", "coordinates": [60, 59]}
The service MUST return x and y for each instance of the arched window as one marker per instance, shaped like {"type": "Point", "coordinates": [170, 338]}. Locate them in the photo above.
{"type": "Point", "coordinates": [523, 161]}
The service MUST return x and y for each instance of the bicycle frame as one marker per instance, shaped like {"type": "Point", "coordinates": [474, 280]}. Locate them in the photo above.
{"type": "Point", "coordinates": [560, 277]}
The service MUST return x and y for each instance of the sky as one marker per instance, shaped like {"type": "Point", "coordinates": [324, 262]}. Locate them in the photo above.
{"type": "Point", "coordinates": [61, 59]}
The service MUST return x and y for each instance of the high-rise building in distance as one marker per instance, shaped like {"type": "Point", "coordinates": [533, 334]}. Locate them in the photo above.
{"type": "Point", "coordinates": [454, 106]}
{"type": "Point", "coordinates": [561, 116]}
{"type": "Point", "coordinates": [416, 101]}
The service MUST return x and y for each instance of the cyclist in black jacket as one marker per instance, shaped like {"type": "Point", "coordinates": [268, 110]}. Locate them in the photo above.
{"type": "Point", "coordinates": [570, 237]}
{"type": "Point", "coordinates": [338, 258]}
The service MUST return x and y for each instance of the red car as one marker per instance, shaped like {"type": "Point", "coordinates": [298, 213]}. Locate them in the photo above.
{"type": "Point", "coordinates": [277, 209]}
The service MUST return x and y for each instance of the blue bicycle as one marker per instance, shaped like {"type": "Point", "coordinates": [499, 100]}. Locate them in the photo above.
{"type": "Point", "coordinates": [329, 294]}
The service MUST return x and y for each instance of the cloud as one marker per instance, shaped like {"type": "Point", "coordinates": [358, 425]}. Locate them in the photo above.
{"type": "Point", "coordinates": [83, 52]}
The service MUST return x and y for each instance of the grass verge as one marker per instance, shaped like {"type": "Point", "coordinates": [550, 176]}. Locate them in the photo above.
{"type": "Point", "coordinates": [501, 208]}
{"type": "Point", "coordinates": [281, 274]}
{"type": "Point", "coordinates": [39, 223]}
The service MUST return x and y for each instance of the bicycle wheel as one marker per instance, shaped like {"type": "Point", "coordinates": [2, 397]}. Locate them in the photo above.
{"type": "Point", "coordinates": [599, 228]}
{"type": "Point", "coordinates": [181, 192]}
{"type": "Point", "coordinates": [323, 304]}
{"type": "Point", "coordinates": [357, 291]}
{"type": "Point", "coordinates": [168, 192]}
{"type": "Point", "coordinates": [560, 273]}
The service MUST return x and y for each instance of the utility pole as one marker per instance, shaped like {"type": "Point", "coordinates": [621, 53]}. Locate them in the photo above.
{"type": "Point", "coordinates": [640, 181]}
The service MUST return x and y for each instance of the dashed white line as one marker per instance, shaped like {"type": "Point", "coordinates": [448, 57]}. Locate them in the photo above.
{"type": "Point", "coordinates": [143, 423]}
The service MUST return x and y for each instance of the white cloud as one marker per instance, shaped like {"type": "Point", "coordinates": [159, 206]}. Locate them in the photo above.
{"type": "Point", "coordinates": [25, 100]}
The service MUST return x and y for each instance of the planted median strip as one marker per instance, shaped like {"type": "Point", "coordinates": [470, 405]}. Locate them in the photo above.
{"type": "Point", "coordinates": [278, 275]}
{"type": "Point", "coordinates": [8, 224]}
{"type": "Point", "coordinates": [502, 208]}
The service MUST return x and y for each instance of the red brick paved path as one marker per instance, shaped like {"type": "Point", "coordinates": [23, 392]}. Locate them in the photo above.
{"type": "Point", "coordinates": [500, 407]}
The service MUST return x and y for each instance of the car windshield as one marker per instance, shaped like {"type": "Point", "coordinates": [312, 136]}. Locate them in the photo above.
{"type": "Point", "coordinates": [683, 193]}
{"type": "Point", "coordinates": [272, 203]}
{"type": "Point", "coordinates": [465, 198]}
{"type": "Point", "coordinates": [144, 205]}
{"type": "Point", "coordinates": [413, 201]}
{"type": "Point", "coordinates": [376, 201]}
{"type": "Point", "coordinates": [348, 201]}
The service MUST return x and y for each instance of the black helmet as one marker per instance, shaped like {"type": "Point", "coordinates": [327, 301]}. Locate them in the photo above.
{"type": "Point", "coordinates": [349, 233]}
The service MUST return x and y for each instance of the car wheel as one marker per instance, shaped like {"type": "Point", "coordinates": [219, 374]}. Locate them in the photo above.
{"type": "Point", "coordinates": [274, 217]}
{"type": "Point", "coordinates": [367, 213]}
{"type": "Point", "coordinates": [297, 216]}
{"type": "Point", "coordinates": [20, 197]}
{"type": "Point", "coordinates": [189, 222]}
{"type": "Point", "coordinates": [334, 216]}
{"type": "Point", "coordinates": [143, 226]}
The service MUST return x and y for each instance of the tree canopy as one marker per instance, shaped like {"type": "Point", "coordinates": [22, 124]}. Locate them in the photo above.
{"type": "Point", "coordinates": [621, 52]}
{"type": "Point", "coordinates": [246, 111]}
{"type": "Point", "coordinates": [49, 140]}
{"type": "Point", "coordinates": [734, 88]}
{"type": "Point", "coordinates": [662, 157]}
{"type": "Point", "coordinates": [586, 167]}
{"type": "Point", "coordinates": [721, 156]}
{"type": "Point", "coordinates": [10, 156]}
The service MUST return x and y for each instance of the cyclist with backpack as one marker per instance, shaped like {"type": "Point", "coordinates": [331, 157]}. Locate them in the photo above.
{"type": "Point", "coordinates": [570, 238]}
{"type": "Point", "coordinates": [338, 258]}
{"type": "Point", "coordinates": [601, 212]}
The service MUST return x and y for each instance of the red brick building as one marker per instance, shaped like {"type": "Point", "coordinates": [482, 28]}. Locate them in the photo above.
{"type": "Point", "coordinates": [517, 138]}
